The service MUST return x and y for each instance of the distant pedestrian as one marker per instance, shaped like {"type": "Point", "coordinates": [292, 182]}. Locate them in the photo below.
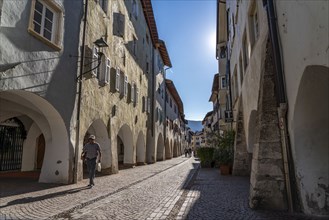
{"type": "Point", "coordinates": [185, 151]}
{"type": "Point", "coordinates": [91, 151]}
{"type": "Point", "coordinates": [190, 152]}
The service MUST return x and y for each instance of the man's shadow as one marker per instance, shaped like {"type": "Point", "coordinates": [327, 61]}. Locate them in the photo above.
{"type": "Point", "coordinates": [43, 197]}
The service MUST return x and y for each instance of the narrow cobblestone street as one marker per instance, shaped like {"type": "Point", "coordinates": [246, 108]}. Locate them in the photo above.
{"type": "Point", "coordinates": [172, 189]}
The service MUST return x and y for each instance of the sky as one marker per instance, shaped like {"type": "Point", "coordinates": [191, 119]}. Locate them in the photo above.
{"type": "Point", "coordinates": [188, 28]}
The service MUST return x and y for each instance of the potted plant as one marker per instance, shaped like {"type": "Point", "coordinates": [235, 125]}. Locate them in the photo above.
{"type": "Point", "coordinates": [205, 154]}
{"type": "Point", "coordinates": [224, 152]}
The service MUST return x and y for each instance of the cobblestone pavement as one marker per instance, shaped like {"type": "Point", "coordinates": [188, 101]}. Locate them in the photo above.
{"type": "Point", "coordinates": [215, 197]}
{"type": "Point", "coordinates": [172, 189]}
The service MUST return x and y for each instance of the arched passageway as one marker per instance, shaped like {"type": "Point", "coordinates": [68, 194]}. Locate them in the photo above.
{"type": "Point", "coordinates": [45, 132]}
{"type": "Point", "coordinates": [310, 139]}
{"type": "Point", "coordinates": [160, 148]}
{"type": "Point", "coordinates": [150, 148]}
{"type": "Point", "coordinates": [140, 149]}
{"type": "Point", "coordinates": [175, 150]}
{"type": "Point", "coordinates": [98, 128]}
{"type": "Point", "coordinates": [125, 147]}
{"type": "Point", "coordinates": [168, 150]}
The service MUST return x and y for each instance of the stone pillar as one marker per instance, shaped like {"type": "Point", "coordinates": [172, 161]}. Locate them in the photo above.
{"type": "Point", "coordinates": [241, 164]}
{"type": "Point", "coordinates": [267, 183]}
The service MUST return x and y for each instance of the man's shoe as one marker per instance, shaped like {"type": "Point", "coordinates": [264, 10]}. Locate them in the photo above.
{"type": "Point", "coordinates": [90, 185]}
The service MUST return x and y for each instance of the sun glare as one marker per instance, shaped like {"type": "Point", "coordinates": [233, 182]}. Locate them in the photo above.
{"type": "Point", "coordinates": [212, 40]}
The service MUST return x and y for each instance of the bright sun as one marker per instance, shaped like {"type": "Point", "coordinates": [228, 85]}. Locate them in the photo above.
{"type": "Point", "coordinates": [212, 40]}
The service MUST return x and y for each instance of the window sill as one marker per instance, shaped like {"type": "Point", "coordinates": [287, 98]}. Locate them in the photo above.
{"type": "Point", "coordinates": [44, 40]}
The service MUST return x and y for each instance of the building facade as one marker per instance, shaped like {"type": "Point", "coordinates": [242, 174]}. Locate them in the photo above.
{"type": "Point", "coordinates": [276, 128]}
{"type": "Point", "coordinates": [70, 69]}
{"type": "Point", "coordinates": [38, 86]}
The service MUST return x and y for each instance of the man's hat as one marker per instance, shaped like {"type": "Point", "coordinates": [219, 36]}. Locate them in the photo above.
{"type": "Point", "coordinates": [92, 137]}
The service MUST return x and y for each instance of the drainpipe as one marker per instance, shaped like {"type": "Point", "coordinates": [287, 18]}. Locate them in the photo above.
{"type": "Point", "coordinates": [281, 97]}
{"type": "Point", "coordinates": [165, 107]}
{"type": "Point", "coordinates": [152, 95]}
{"type": "Point", "coordinates": [228, 64]}
{"type": "Point", "coordinates": [77, 151]}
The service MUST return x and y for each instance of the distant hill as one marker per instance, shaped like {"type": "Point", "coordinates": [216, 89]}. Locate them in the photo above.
{"type": "Point", "coordinates": [195, 125]}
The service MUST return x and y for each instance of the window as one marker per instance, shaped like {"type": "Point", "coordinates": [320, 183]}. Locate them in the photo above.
{"type": "Point", "coordinates": [241, 70]}
{"type": "Point", "coordinates": [94, 64]}
{"type": "Point", "coordinates": [125, 86]}
{"type": "Point", "coordinates": [135, 9]}
{"type": "Point", "coordinates": [103, 4]}
{"type": "Point", "coordinates": [253, 23]}
{"type": "Point", "coordinates": [175, 108]}
{"type": "Point", "coordinates": [45, 22]}
{"type": "Point", "coordinates": [143, 104]}
{"type": "Point", "coordinates": [235, 85]}
{"type": "Point", "coordinates": [136, 95]}
{"type": "Point", "coordinates": [117, 80]}
{"type": "Point", "coordinates": [104, 71]}
{"type": "Point", "coordinates": [245, 51]}
{"type": "Point", "coordinates": [147, 67]}
{"type": "Point", "coordinates": [147, 39]}
{"type": "Point", "coordinates": [223, 82]}
{"type": "Point", "coordinates": [159, 88]}
{"type": "Point", "coordinates": [107, 70]}
{"type": "Point", "coordinates": [132, 95]}
{"type": "Point", "coordinates": [170, 102]}
{"type": "Point", "coordinates": [148, 105]}
{"type": "Point", "coordinates": [134, 46]}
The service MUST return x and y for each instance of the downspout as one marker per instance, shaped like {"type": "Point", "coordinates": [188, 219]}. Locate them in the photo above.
{"type": "Point", "coordinates": [281, 97]}
{"type": "Point", "coordinates": [165, 107]}
{"type": "Point", "coordinates": [152, 96]}
{"type": "Point", "coordinates": [228, 66]}
{"type": "Point", "coordinates": [77, 151]}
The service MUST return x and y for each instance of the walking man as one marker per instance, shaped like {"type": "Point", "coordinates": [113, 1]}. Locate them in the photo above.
{"type": "Point", "coordinates": [91, 151]}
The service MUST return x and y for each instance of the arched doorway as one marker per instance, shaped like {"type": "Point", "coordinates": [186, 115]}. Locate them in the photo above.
{"type": "Point", "coordinates": [12, 136]}
{"type": "Point", "coordinates": [310, 139]}
{"type": "Point", "coordinates": [39, 117]}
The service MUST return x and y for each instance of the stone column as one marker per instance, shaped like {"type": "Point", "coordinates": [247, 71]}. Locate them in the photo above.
{"type": "Point", "coordinates": [267, 183]}
{"type": "Point", "coordinates": [241, 164]}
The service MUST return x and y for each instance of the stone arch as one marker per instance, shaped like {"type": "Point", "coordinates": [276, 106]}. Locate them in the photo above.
{"type": "Point", "coordinates": [140, 149]}
{"type": "Point", "coordinates": [150, 148]}
{"type": "Point", "coordinates": [310, 139]}
{"type": "Point", "coordinates": [171, 148]}
{"type": "Point", "coordinates": [58, 156]}
{"type": "Point", "coordinates": [175, 149]}
{"type": "Point", "coordinates": [168, 151]}
{"type": "Point", "coordinates": [160, 148]}
{"type": "Point", "coordinates": [125, 137]}
{"type": "Point", "coordinates": [99, 129]}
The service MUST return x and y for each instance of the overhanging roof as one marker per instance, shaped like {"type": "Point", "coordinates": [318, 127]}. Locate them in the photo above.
{"type": "Point", "coordinates": [157, 43]}
{"type": "Point", "coordinates": [164, 53]}
{"type": "Point", "coordinates": [149, 16]}
{"type": "Point", "coordinates": [207, 115]}
{"type": "Point", "coordinates": [215, 87]}
{"type": "Point", "coordinates": [173, 91]}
